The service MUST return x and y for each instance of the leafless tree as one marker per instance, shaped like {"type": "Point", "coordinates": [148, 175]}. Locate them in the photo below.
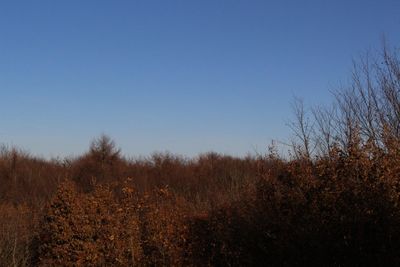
{"type": "Point", "coordinates": [104, 149]}
{"type": "Point", "coordinates": [367, 110]}
{"type": "Point", "coordinates": [371, 104]}
{"type": "Point", "coordinates": [324, 128]}
{"type": "Point", "coordinates": [302, 128]}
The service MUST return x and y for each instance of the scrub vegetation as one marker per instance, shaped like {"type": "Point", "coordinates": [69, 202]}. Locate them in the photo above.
{"type": "Point", "coordinates": [333, 201]}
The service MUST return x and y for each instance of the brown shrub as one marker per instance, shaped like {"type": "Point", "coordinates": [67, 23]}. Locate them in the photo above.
{"type": "Point", "coordinates": [90, 229]}
{"type": "Point", "coordinates": [338, 211]}
{"type": "Point", "coordinates": [341, 209]}
{"type": "Point", "coordinates": [17, 225]}
{"type": "Point", "coordinates": [99, 229]}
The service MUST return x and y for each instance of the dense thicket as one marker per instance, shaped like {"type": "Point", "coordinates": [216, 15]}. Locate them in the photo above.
{"type": "Point", "coordinates": [334, 202]}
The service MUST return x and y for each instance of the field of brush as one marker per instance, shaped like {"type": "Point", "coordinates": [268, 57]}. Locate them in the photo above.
{"type": "Point", "coordinates": [333, 201]}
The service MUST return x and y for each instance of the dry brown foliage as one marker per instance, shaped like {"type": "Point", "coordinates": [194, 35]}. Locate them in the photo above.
{"type": "Point", "coordinates": [337, 207]}
{"type": "Point", "coordinates": [16, 226]}
{"type": "Point", "coordinates": [342, 209]}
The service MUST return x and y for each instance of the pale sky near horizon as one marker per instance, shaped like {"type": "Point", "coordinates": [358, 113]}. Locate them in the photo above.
{"type": "Point", "coordinates": [179, 76]}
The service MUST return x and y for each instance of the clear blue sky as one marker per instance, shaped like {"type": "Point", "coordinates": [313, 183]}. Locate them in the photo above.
{"type": "Point", "coordinates": [183, 76]}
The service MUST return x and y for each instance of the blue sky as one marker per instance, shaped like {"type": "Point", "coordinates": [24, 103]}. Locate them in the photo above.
{"type": "Point", "coordinates": [179, 76]}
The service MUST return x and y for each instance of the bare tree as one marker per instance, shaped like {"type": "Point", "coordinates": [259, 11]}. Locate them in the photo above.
{"type": "Point", "coordinates": [371, 104]}
{"type": "Point", "coordinates": [324, 128]}
{"type": "Point", "coordinates": [388, 77]}
{"type": "Point", "coordinates": [366, 111]}
{"type": "Point", "coordinates": [105, 153]}
{"type": "Point", "coordinates": [302, 128]}
{"type": "Point", "coordinates": [104, 149]}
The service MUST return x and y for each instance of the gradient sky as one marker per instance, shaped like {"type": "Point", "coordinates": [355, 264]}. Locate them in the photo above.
{"type": "Point", "coordinates": [179, 76]}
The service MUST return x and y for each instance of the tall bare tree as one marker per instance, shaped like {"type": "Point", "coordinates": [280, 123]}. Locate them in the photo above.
{"type": "Point", "coordinates": [302, 128]}
{"type": "Point", "coordinates": [367, 110]}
